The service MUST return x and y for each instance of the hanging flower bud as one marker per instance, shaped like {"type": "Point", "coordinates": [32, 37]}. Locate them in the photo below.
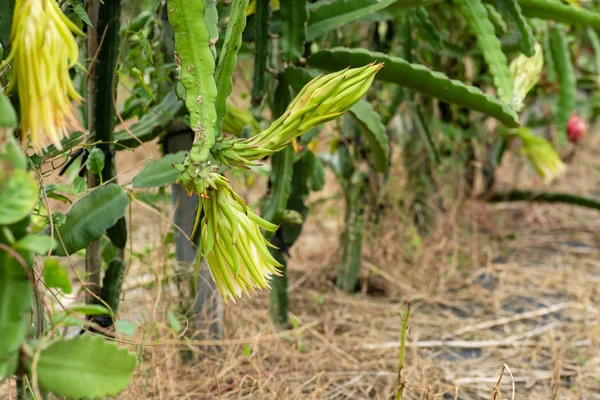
{"type": "Point", "coordinates": [526, 72]}
{"type": "Point", "coordinates": [541, 154]}
{"type": "Point", "coordinates": [235, 250]}
{"type": "Point", "coordinates": [576, 128]}
{"type": "Point", "coordinates": [43, 51]}
{"type": "Point", "coordinates": [322, 99]}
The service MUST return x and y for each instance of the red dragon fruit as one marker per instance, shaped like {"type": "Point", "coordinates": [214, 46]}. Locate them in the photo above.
{"type": "Point", "coordinates": [576, 128]}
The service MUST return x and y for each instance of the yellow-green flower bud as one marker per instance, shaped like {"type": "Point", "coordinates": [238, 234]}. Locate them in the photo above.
{"type": "Point", "coordinates": [235, 250]}
{"type": "Point", "coordinates": [526, 72]}
{"type": "Point", "coordinates": [43, 50]}
{"type": "Point", "coordinates": [540, 153]}
{"type": "Point", "coordinates": [322, 99]}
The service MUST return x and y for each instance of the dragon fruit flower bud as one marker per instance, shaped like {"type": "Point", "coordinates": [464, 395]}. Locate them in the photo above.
{"type": "Point", "coordinates": [43, 50]}
{"type": "Point", "coordinates": [322, 99]}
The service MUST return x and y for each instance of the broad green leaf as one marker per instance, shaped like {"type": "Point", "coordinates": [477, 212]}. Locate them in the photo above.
{"type": "Point", "coordinates": [39, 244]}
{"type": "Point", "coordinates": [159, 172]}
{"type": "Point", "coordinates": [154, 123]}
{"type": "Point", "coordinates": [90, 217]}
{"type": "Point", "coordinates": [125, 327]}
{"type": "Point", "coordinates": [477, 16]}
{"type": "Point", "coordinates": [228, 58]}
{"type": "Point", "coordinates": [417, 77]}
{"type": "Point", "coordinates": [512, 10]}
{"type": "Point", "coordinates": [84, 367]}
{"type": "Point", "coordinates": [561, 57]}
{"type": "Point", "coordinates": [18, 195]}
{"type": "Point", "coordinates": [55, 276]}
{"type": "Point", "coordinates": [560, 12]}
{"type": "Point", "coordinates": [8, 116]}
{"type": "Point", "coordinates": [294, 17]}
{"type": "Point", "coordinates": [89, 309]}
{"type": "Point", "coordinates": [373, 132]}
{"type": "Point", "coordinates": [11, 154]}
{"type": "Point", "coordinates": [329, 15]}
{"type": "Point", "coordinates": [95, 161]}
{"type": "Point", "coordinates": [79, 185]}
{"type": "Point", "coordinates": [80, 11]}
{"type": "Point", "coordinates": [15, 303]}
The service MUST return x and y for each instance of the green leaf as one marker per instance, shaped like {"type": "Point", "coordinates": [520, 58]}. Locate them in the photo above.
{"type": "Point", "coordinates": [12, 154]}
{"type": "Point", "coordinates": [84, 367]}
{"type": "Point", "coordinates": [15, 302]}
{"type": "Point", "coordinates": [80, 12]}
{"type": "Point", "coordinates": [326, 16]}
{"type": "Point", "coordinates": [18, 195]}
{"type": "Point", "coordinates": [154, 123]}
{"type": "Point", "coordinates": [95, 161]}
{"type": "Point", "coordinates": [294, 17]}
{"type": "Point", "coordinates": [125, 327]}
{"type": "Point", "coordinates": [90, 217]}
{"type": "Point", "coordinates": [173, 322]}
{"type": "Point", "coordinates": [79, 185]}
{"type": "Point", "coordinates": [561, 57]}
{"type": "Point", "coordinates": [8, 116]}
{"type": "Point", "coordinates": [89, 309]}
{"type": "Point", "coordinates": [159, 172]}
{"type": "Point", "coordinates": [419, 78]}
{"type": "Point", "coordinates": [147, 49]}
{"type": "Point", "coordinates": [55, 276]}
{"type": "Point", "coordinates": [512, 10]}
{"type": "Point", "coordinates": [477, 16]}
{"type": "Point", "coordinates": [228, 58]}
{"type": "Point", "coordinates": [560, 12]}
{"type": "Point", "coordinates": [373, 132]}
{"type": "Point", "coordinates": [39, 244]}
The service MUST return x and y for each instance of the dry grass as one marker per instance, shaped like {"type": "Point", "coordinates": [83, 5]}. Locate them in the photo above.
{"type": "Point", "coordinates": [508, 284]}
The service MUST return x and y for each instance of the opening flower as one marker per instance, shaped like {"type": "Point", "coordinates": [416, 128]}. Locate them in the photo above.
{"type": "Point", "coordinates": [540, 154]}
{"type": "Point", "coordinates": [43, 51]}
{"type": "Point", "coordinates": [236, 251]}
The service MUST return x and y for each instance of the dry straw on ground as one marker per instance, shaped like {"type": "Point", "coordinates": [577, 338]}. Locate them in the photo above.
{"type": "Point", "coordinates": [510, 284]}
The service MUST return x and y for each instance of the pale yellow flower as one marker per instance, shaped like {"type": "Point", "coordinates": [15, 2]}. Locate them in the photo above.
{"type": "Point", "coordinates": [43, 50]}
{"type": "Point", "coordinates": [232, 243]}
